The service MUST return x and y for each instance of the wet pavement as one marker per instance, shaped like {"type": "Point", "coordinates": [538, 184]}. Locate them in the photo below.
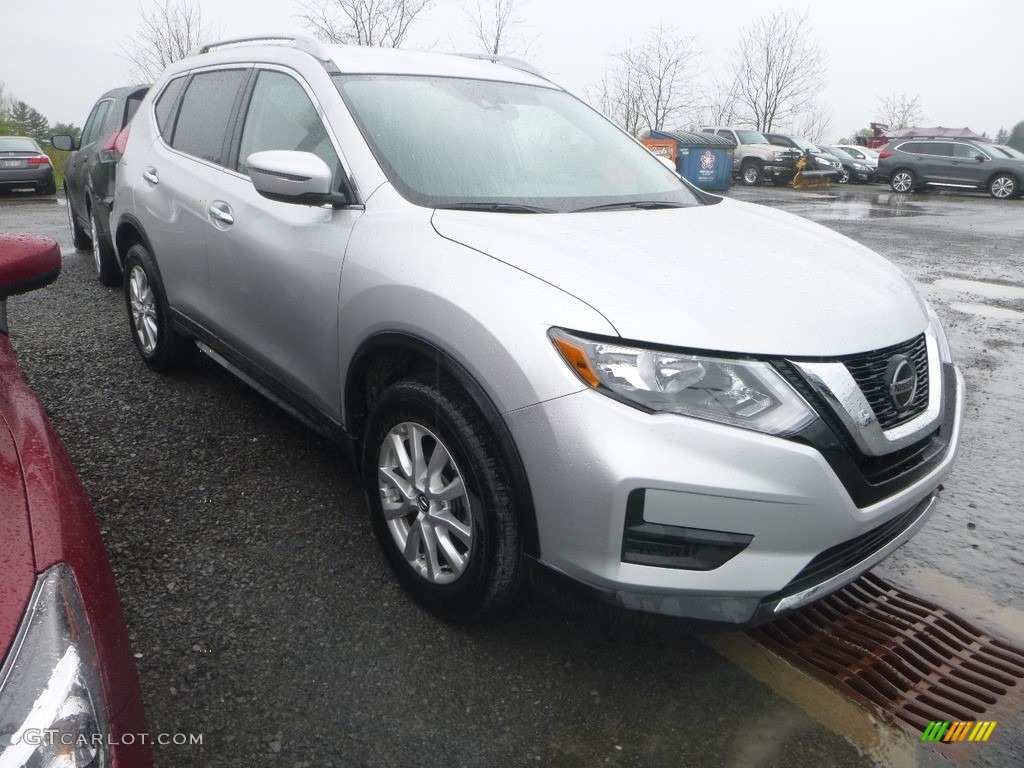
{"type": "Point", "coordinates": [266, 619]}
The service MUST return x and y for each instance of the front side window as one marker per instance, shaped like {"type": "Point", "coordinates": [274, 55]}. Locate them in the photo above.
{"type": "Point", "coordinates": [94, 124]}
{"type": "Point", "coordinates": [966, 152]}
{"type": "Point", "coordinates": [281, 116]}
{"type": "Point", "coordinates": [451, 142]}
{"type": "Point", "coordinates": [206, 107]}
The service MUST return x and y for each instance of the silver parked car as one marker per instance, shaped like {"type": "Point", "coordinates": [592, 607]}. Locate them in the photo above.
{"type": "Point", "coordinates": [544, 348]}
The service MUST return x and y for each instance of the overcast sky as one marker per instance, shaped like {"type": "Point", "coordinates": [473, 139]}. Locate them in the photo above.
{"type": "Point", "coordinates": [964, 60]}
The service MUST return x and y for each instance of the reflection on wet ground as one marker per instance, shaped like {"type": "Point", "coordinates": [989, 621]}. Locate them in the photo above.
{"type": "Point", "coordinates": [822, 206]}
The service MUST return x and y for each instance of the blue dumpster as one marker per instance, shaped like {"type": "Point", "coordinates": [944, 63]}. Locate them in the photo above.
{"type": "Point", "coordinates": [702, 159]}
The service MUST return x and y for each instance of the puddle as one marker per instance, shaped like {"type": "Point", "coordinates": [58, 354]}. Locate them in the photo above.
{"type": "Point", "coordinates": [985, 310]}
{"type": "Point", "coordinates": [988, 290]}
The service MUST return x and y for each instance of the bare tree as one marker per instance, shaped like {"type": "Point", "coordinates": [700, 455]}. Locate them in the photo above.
{"type": "Point", "coordinates": [721, 104]}
{"type": "Point", "coordinates": [779, 68]}
{"type": "Point", "coordinates": [814, 123]}
{"type": "Point", "coordinates": [899, 111]}
{"type": "Point", "coordinates": [166, 34]}
{"type": "Point", "coordinates": [651, 85]}
{"type": "Point", "coordinates": [497, 25]}
{"type": "Point", "coordinates": [383, 23]}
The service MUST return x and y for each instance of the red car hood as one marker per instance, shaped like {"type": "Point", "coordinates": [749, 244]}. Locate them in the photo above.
{"type": "Point", "coordinates": [17, 566]}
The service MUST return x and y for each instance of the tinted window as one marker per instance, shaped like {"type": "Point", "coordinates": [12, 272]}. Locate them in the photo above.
{"type": "Point", "coordinates": [281, 116]}
{"type": "Point", "coordinates": [131, 106]}
{"type": "Point", "coordinates": [165, 105]}
{"type": "Point", "coordinates": [965, 151]}
{"type": "Point", "coordinates": [205, 111]}
{"type": "Point", "coordinates": [94, 124]}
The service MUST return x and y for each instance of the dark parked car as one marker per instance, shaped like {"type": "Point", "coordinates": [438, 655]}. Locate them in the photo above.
{"type": "Point", "coordinates": [24, 164]}
{"type": "Point", "coordinates": [854, 169]}
{"type": "Point", "coordinates": [89, 175]}
{"type": "Point", "coordinates": [913, 164]}
{"type": "Point", "coordinates": [69, 690]}
{"type": "Point", "coordinates": [823, 161]}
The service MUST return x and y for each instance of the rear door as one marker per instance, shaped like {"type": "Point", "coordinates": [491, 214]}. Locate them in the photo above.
{"type": "Point", "coordinates": [276, 267]}
{"type": "Point", "coordinates": [182, 174]}
{"type": "Point", "coordinates": [936, 161]}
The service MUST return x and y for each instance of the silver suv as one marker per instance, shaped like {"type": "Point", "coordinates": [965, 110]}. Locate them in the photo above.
{"type": "Point", "coordinates": [912, 164]}
{"type": "Point", "coordinates": [545, 350]}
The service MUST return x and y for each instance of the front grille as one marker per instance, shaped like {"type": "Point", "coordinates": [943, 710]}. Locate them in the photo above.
{"type": "Point", "coordinates": [869, 373]}
{"type": "Point", "coordinates": [839, 558]}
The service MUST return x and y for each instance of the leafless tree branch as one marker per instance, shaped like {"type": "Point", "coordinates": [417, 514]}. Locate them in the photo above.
{"type": "Point", "coordinates": [166, 33]}
{"type": "Point", "coordinates": [778, 68]}
{"type": "Point", "coordinates": [382, 23]}
{"type": "Point", "coordinates": [497, 27]}
{"type": "Point", "coordinates": [898, 111]}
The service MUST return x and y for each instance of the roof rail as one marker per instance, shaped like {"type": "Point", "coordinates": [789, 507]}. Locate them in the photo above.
{"type": "Point", "coordinates": [508, 61]}
{"type": "Point", "coordinates": [302, 42]}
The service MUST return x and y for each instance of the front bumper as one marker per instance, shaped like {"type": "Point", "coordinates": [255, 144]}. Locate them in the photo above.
{"type": "Point", "coordinates": [587, 456]}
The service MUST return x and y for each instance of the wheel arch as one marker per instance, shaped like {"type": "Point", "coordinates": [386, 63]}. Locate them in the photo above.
{"type": "Point", "coordinates": [388, 357]}
{"type": "Point", "coordinates": [130, 232]}
{"type": "Point", "coordinates": [1018, 180]}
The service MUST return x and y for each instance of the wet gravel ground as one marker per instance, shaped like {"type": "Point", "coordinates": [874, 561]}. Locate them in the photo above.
{"type": "Point", "coordinates": [267, 620]}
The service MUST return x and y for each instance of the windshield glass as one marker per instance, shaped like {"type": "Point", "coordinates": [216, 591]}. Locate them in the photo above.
{"type": "Point", "coordinates": [751, 137]}
{"type": "Point", "coordinates": [17, 144]}
{"type": "Point", "coordinates": [447, 142]}
{"type": "Point", "coordinates": [1010, 151]}
{"type": "Point", "coordinates": [805, 145]}
{"type": "Point", "coordinates": [841, 154]}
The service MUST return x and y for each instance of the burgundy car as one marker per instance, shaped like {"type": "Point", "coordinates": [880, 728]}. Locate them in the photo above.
{"type": "Point", "coordinates": [69, 690]}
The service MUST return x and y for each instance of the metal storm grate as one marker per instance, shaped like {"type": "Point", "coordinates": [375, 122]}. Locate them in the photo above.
{"type": "Point", "coordinates": [908, 659]}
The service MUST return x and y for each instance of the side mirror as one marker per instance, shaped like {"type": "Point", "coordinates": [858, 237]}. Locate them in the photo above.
{"type": "Point", "coordinates": [301, 178]}
{"type": "Point", "coordinates": [980, 158]}
{"type": "Point", "coordinates": [63, 142]}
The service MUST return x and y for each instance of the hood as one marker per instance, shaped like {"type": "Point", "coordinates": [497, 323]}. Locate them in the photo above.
{"type": "Point", "coordinates": [730, 277]}
{"type": "Point", "coordinates": [17, 566]}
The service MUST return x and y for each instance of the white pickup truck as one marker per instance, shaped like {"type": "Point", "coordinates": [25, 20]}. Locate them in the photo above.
{"type": "Point", "coordinates": [756, 159]}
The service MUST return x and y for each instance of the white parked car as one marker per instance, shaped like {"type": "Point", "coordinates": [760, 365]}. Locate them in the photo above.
{"type": "Point", "coordinates": [543, 347]}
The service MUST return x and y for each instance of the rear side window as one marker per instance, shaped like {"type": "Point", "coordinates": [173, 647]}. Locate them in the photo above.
{"type": "Point", "coordinates": [94, 125]}
{"type": "Point", "coordinates": [205, 112]}
{"type": "Point", "coordinates": [165, 105]}
{"type": "Point", "coordinates": [131, 106]}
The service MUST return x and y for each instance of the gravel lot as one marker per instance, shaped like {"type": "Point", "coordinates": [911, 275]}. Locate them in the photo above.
{"type": "Point", "coordinates": [266, 619]}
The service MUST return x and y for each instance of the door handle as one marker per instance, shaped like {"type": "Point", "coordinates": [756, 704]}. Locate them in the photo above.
{"type": "Point", "coordinates": [150, 175]}
{"type": "Point", "coordinates": [221, 213]}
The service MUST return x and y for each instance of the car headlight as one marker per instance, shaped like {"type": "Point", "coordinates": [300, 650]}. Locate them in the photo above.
{"type": "Point", "coordinates": [742, 393]}
{"type": "Point", "coordinates": [822, 161]}
{"type": "Point", "coordinates": [780, 156]}
{"type": "Point", "coordinates": [51, 695]}
{"type": "Point", "coordinates": [935, 326]}
{"type": "Point", "coordinates": [859, 167]}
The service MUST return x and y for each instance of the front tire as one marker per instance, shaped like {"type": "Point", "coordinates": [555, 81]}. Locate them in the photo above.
{"type": "Point", "coordinates": [903, 182]}
{"type": "Point", "coordinates": [160, 346]}
{"type": "Point", "coordinates": [441, 501]}
{"type": "Point", "coordinates": [844, 176]}
{"type": "Point", "coordinates": [1004, 187]}
{"type": "Point", "coordinates": [108, 272]}
{"type": "Point", "coordinates": [752, 174]}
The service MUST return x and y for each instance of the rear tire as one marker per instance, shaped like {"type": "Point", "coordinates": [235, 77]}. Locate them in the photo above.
{"type": "Point", "coordinates": [441, 500]}
{"type": "Point", "coordinates": [752, 174]}
{"type": "Point", "coordinates": [78, 235]}
{"type": "Point", "coordinates": [149, 317]}
{"type": "Point", "coordinates": [108, 271]}
{"type": "Point", "coordinates": [903, 181]}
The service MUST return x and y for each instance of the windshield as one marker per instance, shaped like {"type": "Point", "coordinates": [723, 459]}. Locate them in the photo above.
{"type": "Point", "coordinates": [841, 154]}
{"type": "Point", "coordinates": [751, 137]}
{"type": "Point", "coordinates": [450, 142]}
{"type": "Point", "coordinates": [805, 145]}
{"type": "Point", "coordinates": [17, 144]}
{"type": "Point", "coordinates": [1010, 151]}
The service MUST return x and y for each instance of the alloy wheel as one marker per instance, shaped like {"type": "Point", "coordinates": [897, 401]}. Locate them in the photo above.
{"type": "Point", "coordinates": [95, 235]}
{"type": "Point", "coordinates": [143, 304]}
{"type": "Point", "coordinates": [425, 503]}
{"type": "Point", "coordinates": [902, 182]}
{"type": "Point", "coordinates": [1002, 187]}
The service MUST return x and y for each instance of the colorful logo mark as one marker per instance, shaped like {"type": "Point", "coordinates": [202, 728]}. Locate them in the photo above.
{"type": "Point", "coordinates": [945, 731]}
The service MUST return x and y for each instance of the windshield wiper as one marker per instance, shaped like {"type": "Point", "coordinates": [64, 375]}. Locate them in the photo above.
{"type": "Point", "coordinates": [643, 205]}
{"type": "Point", "coordinates": [496, 207]}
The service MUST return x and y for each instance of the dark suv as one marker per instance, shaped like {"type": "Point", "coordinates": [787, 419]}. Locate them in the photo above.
{"type": "Point", "coordinates": [912, 164]}
{"type": "Point", "coordinates": [89, 175]}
